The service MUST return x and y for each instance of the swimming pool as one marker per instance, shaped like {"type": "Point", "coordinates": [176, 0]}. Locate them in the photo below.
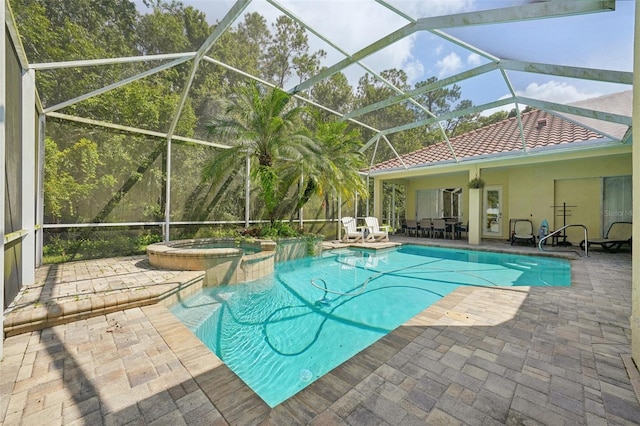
{"type": "Point", "coordinates": [282, 332]}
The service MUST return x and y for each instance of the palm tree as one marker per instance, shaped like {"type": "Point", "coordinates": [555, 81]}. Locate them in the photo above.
{"type": "Point", "coordinates": [264, 126]}
{"type": "Point", "coordinates": [337, 170]}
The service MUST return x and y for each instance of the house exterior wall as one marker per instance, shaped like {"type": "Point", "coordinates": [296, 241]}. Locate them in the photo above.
{"type": "Point", "coordinates": [581, 201]}
{"type": "Point", "coordinates": [531, 190]}
{"type": "Point", "coordinates": [531, 186]}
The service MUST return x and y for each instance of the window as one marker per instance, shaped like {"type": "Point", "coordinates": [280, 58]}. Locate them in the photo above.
{"type": "Point", "coordinates": [616, 201]}
{"type": "Point", "coordinates": [435, 203]}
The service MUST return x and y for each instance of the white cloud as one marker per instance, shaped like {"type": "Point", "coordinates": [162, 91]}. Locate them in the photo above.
{"type": "Point", "coordinates": [449, 65]}
{"type": "Point", "coordinates": [552, 91]}
{"type": "Point", "coordinates": [397, 56]}
{"type": "Point", "coordinates": [352, 25]}
{"type": "Point", "coordinates": [555, 91]}
{"type": "Point", "coordinates": [414, 70]}
{"type": "Point", "coordinates": [474, 59]}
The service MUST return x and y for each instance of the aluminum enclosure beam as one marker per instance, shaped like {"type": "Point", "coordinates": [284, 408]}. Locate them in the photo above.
{"type": "Point", "coordinates": [423, 89]}
{"type": "Point", "coordinates": [450, 115]}
{"type": "Point", "coordinates": [109, 61]}
{"type": "Point", "coordinates": [130, 129]}
{"type": "Point", "coordinates": [16, 42]}
{"type": "Point", "coordinates": [4, 8]}
{"type": "Point", "coordinates": [609, 76]}
{"type": "Point", "coordinates": [494, 16]}
{"type": "Point", "coordinates": [583, 112]}
{"type": "Point", "coordinates": [115, 85]}
{"type": "Point", "coordinates": [541, 10]}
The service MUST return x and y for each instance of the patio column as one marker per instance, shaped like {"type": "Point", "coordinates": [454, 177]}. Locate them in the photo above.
{"type": "Point", "coordinates": [28, 178]}
{"type": "Point", "coordinates": [635, 260]}
{"type": "Point", "coordinates": [378, 197]}
{"type": "Point", "coordinates": [475, 212]}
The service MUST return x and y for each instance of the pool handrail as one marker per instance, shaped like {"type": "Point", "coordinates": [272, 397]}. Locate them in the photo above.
{"type": "Point", "coordinates": [586, 239]}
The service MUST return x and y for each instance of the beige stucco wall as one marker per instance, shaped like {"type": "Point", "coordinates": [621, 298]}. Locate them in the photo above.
{"type": "Point", "coordinates": [531, 190]}
{"type": "Point", "coordinates": [582, 200]}
{"type": "Point", "coordinates": [532, 185]}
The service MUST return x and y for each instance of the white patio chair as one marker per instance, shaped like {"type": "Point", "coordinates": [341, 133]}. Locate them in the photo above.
{"type": "Point", "coordinates": [351, 232]}
{"type": "Point", "coordinates": [377, 233]}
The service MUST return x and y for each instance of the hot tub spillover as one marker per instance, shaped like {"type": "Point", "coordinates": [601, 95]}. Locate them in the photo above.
{"type": "Point", "coordinates": [224, 261]}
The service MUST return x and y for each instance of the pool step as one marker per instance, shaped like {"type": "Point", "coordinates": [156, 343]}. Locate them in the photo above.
{"type": "Point", "coordinates": [197, 312]}
{"type": "Point", "coordinates": [37, 316]}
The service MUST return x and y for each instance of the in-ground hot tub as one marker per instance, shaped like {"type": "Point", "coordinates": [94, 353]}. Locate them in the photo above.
{"type": "Point", "coordinates": [223, 261]}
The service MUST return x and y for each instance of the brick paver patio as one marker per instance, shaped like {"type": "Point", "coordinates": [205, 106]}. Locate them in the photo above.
{"type": "Point", "coordinates": [480, 356]}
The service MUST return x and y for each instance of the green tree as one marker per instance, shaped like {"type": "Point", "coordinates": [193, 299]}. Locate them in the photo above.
{"type": "Point", "coordinates": [337, 170]}
{"type": "Point", "coordinates": [439, 101]}
{"type": "Point", "coordinates": [64, 30]}
{"type": "Point", "coordinates": [288, 52]}
{"type": "Point", "coordinates": [266, 127]}
{"type": "Point", "coordinates": [371, 90]}
{"type": "Point", "coordinates": [463, 123]}
{"type": "Point", "coordinates": [70, 178]}
{"type": "Point", "coordinates": [335, 93]}
{"type": "Point", "coordinates": [162, 31]}
{"type": "Point", "coordinates": [240, 47]}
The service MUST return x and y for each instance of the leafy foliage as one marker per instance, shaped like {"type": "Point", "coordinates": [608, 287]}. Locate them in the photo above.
{"type": "Point", "coordinates": [74, 172]}
{"type": "Point", "coordinates": [264, 126]}
{"type": "Point", "coordinates": [62, 248]}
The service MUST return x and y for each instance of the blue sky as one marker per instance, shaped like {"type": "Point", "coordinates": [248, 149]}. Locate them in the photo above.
{"type": "Point", "coordinates": [601, 40]}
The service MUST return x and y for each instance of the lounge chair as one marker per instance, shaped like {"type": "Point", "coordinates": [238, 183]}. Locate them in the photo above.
{"type": "Point", "coordinates": [377, 233]}
{"type": "Point", "coordinates": [619, 233]}
{"type": "Point", "coordinates": [523, 230]}
{"type": "Point", "coordinates": [351, 232]}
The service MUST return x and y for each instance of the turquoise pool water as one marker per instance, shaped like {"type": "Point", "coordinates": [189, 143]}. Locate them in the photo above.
{"type": "Point", "coordinates": [280, 333]}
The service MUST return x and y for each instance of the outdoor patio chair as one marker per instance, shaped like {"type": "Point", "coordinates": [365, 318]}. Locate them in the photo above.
{"type": "Point", "coordinates": [425, 226]}
{"type": "Point", "coordinates": [523, 230]}
{"type": "Point", "coordinates": [619, 233]}
{"type": "Point", "coordinates": [412, 226]}
{"type": "Point", "coordinates": [460, 228]}
{"type": "Point", "coordinates": [351, 232]}
{"type": "Point", "coordinates": [439, 227]}
{"type": "Point", "coordinates": [377, 233]}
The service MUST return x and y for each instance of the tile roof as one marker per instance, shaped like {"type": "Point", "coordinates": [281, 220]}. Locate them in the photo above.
{"type": "Point", "coordinates": [540, 130]}
{"type": "Point", "coordinates": [618, 103]}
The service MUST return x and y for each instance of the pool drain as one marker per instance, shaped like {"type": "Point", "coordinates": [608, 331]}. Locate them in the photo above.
{"type": "Point", "coordinates": [305, 375]}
